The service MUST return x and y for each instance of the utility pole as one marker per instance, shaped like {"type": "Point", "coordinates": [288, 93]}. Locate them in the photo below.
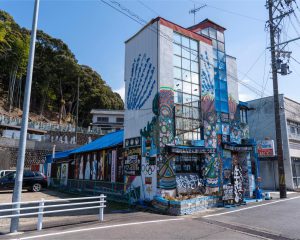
{"type": "Point", "coordinates": [77, 108]}
{"type": "Point", "coordinates": [278, 9]}
{"type": "Point", "coordinates": [16, 198]}
{"type": "Point", "coordinates": [194, 10]}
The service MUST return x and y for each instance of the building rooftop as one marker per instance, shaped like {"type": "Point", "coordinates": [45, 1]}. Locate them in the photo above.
{"type": "Point", "coordinates": [205, 24]}
{"type": "Point", "coordinates": [184, 31]}
{"type": "Point", "coordinates": [107, 111]}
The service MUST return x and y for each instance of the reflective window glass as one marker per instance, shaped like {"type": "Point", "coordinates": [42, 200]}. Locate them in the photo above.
{"type": "Point", "coordinates": [186, 64]}
{"type": "Point", "coordinates": [177, 61]}
{"type": "Point", "coordinates": [177, 49]}
{"type": "Point", "coordinates": [205, 31]}
{"type": "Point", "coordinates": [223, 85]}
{"type": "Point", "coordinates": [194, 56]}
{"type": "Point", "coordinates": [220, 36]}
{"type": "Point", "coordinates": [186, 87]}
{"type": "Point", "coordinates": [194, 66]}
{"type": "Point", "coordinates": [214, 43]}
{"type": "Point", "coordinates": [186, 99]}
{"type": "Point", "coordinates": [194, 45]}
{"type": "Point", "coordinates": [185, 41]}
{"type": "Point", "coordinates": [213, 33]}
{"type": "Point", "coordinates": [177, 38]}
{"type": "Point", "coordinates": [186, 76]}
{"type": "Point", "coordinates": [195, 89]}
{"type": "Point", "coordinates": [178, 85]}
{"type": "Point", "coordinates": [178, 97]}
{"type": "Point", "coordinates": [186, 53]}
{"type": "Point", "coordinates": [224, 107]}
{"type": "Point", "coordinates": [221, 47]}
{"type": "Point", "coordinates": [177, 72]}
{"type": "Point", "coordinates": [195, 78]}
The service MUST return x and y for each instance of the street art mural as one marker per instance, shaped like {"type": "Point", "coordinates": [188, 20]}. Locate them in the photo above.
{"type": "Point", "coordinates": [81, 168]}
{"type": "Point", "coordinates": [141, 82]}
{"type": "Point", "coordinates": [211, 172]}
{"type": "Point", "coordinates": [166, 106]}
{"type": "Point", "coordinates": [189, 183]}
{"type": "Point", "coordinates": [87, 172]}
{"type": "Point", "coordinates": [94, 168]}
{"type": "Point", "coordinates": [166, 173]}
{"type": "Point", "coordinates": [237, 179]}
{"type": "Point", "coordinates": [208, 102]}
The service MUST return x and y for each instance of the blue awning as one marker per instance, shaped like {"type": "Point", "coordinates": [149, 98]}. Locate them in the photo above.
{"type": "Point", "coordinates": [107, 141]}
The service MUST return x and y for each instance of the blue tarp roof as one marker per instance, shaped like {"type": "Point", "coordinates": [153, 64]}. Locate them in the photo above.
{"type": "Point", "coordinates": [107, 141]}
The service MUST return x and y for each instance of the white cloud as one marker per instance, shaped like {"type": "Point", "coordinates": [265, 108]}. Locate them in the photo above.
{"type": "Point", "coordinates": [121, 91]}
{"type": "Point", "coordinates": [244, 97]}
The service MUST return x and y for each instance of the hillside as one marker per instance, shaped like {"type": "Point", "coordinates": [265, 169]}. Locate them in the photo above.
{"type": "Point", "coordinates": [55, 77]}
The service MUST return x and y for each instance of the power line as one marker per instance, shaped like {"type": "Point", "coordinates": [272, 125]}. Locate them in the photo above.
{"type": "Point", "coordinates": [232, 12]}
{"type": "Point", "coordinates": [168, 38]}
{"type": "Point", "coordinates": [149, 8]}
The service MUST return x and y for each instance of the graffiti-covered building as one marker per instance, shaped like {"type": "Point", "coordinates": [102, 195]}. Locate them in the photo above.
{"type": "Point", "coordinates": [185, 131]}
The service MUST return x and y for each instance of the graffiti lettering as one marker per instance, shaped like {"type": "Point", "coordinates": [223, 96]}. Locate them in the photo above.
{"type": "Point", "coordinates": [189, 184]}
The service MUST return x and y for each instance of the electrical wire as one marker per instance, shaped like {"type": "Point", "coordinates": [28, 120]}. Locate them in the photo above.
{"type": "Point", "coordinates": [168, 38]}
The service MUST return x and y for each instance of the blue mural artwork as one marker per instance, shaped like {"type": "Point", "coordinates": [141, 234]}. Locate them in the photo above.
{"type": "Point", "coordinates": [207, 83]}
{"type": "Point", "coordinates": [141, 82]}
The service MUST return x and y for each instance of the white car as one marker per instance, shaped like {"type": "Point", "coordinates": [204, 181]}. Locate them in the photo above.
{"type": "Point", "coordinates": [5, 172]}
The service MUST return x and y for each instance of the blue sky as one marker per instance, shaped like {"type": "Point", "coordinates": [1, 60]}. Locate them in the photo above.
{"type": "Point", "coordinates": [96, 34]}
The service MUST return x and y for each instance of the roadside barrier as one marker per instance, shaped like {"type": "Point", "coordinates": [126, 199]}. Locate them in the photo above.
{"type": "Point", "coordinates": [16, 211]}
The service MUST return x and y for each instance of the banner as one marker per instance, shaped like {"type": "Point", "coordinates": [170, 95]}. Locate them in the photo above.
{"type": "Point", "coordinates": [113, 166]}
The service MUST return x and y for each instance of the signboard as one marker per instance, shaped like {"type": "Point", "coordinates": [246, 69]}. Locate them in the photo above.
{"type": "Point", "coordinates": [133, 142]}
{"type": "Point", "coordinates": [174, 149]}
{"type": "Point", "coordinates": [265, 148]}
{"type": "Point", "coordinates": [237, 148]}
{"type": "Point", "coordinates": [132, 162]}
{"type": "Point", "coordinates": [113, 166]}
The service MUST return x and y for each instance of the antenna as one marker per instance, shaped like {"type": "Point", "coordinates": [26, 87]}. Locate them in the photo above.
{"type": "Point", "coordinates": [194, 10]}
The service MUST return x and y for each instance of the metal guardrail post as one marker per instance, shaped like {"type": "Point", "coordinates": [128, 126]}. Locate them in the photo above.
{"type": "Point", "coordinates": [101, 209]}
{"type": "Point", "coordinates": [40, 215]}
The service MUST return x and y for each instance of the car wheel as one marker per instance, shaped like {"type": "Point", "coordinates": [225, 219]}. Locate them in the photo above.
{"type": "Point", "coordinates": [36, 187]}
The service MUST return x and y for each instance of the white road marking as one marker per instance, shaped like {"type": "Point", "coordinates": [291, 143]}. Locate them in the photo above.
{"type": "Point", "coordinates": [247, 208]}
{"type": "Point", "coordinates": [101, 227]}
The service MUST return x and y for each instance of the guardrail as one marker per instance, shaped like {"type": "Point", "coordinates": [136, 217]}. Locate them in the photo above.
{"type": "Point", "coordinates": [41, 207]}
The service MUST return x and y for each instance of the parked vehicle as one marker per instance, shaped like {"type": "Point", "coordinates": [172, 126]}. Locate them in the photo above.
{"type": "Point", "coordinates": [33, 181]}
{"type": "Point", "coordinates": [5, 172]}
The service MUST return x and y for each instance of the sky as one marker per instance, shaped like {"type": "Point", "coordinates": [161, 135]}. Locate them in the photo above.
{"type": "Point", "coordinates": [96, 34]}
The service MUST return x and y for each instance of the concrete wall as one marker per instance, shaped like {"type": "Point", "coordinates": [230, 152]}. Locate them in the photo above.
{"type": "Point", "coordinates": [232, 78]}
{"type": "Point", "coordinates": [262, 125]}
{"type": "Point", "coordinates": [35, 152]}
{"type": "Point", "coordinates": [141, 79]}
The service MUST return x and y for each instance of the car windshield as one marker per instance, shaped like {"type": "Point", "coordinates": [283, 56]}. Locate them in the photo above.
{"type": "Point", "coordinates": [11, 175]}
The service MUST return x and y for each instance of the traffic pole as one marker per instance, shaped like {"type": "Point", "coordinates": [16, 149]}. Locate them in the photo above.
{"type": "Point", "coordinates": [16, 198]}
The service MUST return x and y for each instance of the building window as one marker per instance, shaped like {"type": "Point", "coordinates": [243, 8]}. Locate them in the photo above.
{"type": "Point", "coordinates": [102, 119]}
{"type": "Point", "coordinates": [243, 115]}
{"type": "Point", "coordinates": [120, 120]}
{"type": "Point", "coordinates": [292, 129]}
{"type": "Point", "coordinates": [187, 89]}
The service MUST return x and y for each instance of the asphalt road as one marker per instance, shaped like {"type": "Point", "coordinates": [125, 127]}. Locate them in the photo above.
{"type": "Point", "coordinates": [267, 220]}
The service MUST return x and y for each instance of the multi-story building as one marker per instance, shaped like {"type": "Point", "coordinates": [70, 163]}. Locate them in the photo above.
{"type": "Point", "coordinates": [183, 131]}
{"type": "Point", "coordinates": [262, 125]}
{"type": "Point", "coordinates": [107, 120]}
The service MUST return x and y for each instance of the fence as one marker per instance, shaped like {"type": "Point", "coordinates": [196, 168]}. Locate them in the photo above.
{"type": "Point", "coordinates": [14, 121]}
{"type": "Point", "coordinates": [16, 212]}
{"type": "Point", "coordinates": [118, 192]}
